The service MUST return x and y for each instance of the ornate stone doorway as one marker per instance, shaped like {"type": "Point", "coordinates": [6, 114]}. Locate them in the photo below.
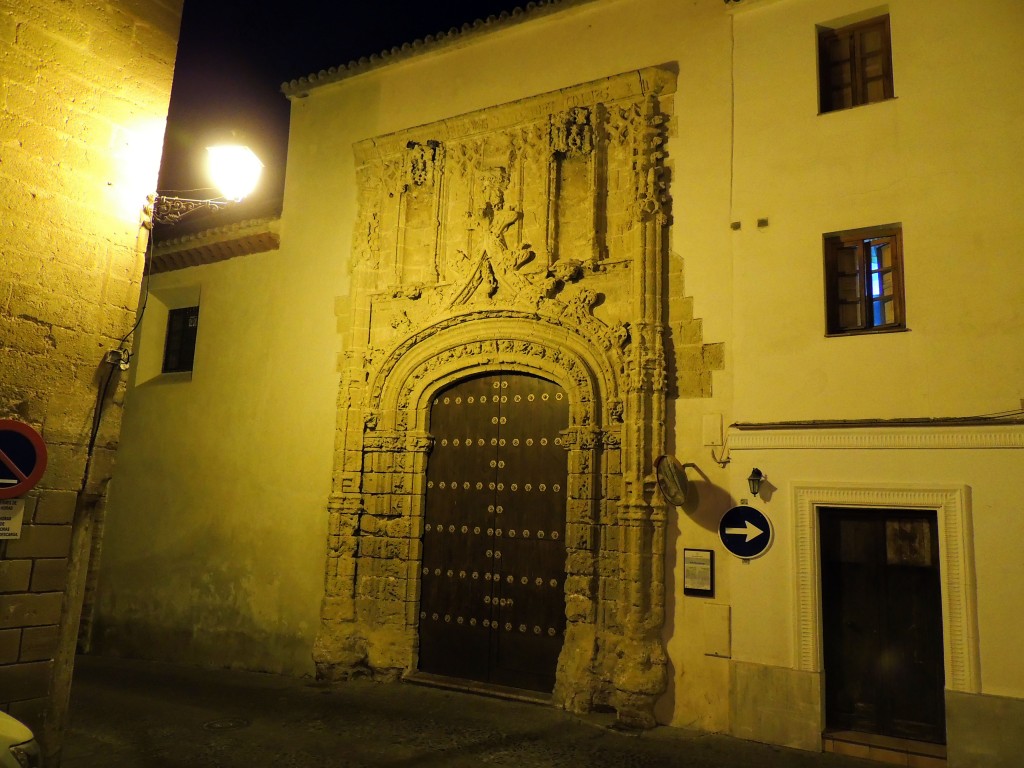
{"type": "Point", "coordinates": [492, 594]}
{"type": "Point", "coordinates": [526, 240]}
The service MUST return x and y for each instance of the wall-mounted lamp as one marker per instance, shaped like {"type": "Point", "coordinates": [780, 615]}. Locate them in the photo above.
{"type": "Point", "coordinates": [755, 480]}
{"type": "Point", "coordinates": [234, 169]}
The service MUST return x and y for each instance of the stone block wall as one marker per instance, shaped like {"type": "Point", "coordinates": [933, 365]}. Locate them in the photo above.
{"type": "Point", "coordinates": [84, 89]}
{"type": "Point", "coordinates": [691, 362]}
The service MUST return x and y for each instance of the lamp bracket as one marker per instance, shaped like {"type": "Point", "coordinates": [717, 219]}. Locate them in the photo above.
{"type": "Point", "coordinates": [171, 210]}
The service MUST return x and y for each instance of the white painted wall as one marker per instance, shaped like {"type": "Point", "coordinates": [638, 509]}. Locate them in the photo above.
{"type": "Point", "coordinates": [216, 535]}
{"type": "Point", "coordinates": [763, 590]}
{"type": "Point", "coordinates": [942, 157]}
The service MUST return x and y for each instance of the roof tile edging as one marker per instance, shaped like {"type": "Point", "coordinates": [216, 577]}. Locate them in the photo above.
{"type": "Point", "coordinates": [211, 245]}
{"type": "Point", "coordinates": [299, 87]}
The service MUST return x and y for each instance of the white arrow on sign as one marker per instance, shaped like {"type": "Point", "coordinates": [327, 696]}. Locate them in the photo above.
{"type": "Point", "coordinates": [750, 530]}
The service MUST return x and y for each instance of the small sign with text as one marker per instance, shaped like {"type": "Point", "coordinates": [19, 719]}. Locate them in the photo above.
{"type": "Point", "coordinates": [12, 511]}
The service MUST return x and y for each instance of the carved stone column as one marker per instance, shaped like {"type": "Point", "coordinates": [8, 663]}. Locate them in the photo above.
{"type": "Point", "coordinates": [640, 674]}
{"type": "Point", "coordinates": [576, 682]}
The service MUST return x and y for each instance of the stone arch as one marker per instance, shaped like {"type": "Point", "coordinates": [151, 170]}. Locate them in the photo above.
{"type": "Point", "coordinates": [397, 444]}
{"type": "Point", "coordinates": [400, 389]}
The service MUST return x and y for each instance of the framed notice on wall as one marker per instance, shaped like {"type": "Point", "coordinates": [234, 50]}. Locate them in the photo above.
{"type": "Point", "coordinates": [699, 572]}
{"type": "Point", "coordinates": [12, 511]}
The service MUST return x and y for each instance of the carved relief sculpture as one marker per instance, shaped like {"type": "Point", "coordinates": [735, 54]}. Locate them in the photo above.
{"type": "Point", "coordinates": [468, 262]}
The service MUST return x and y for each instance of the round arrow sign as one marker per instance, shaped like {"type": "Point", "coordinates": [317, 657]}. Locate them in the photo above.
{"type": "Point", "coordinates": [745, 532]}
{"type": "Point", "coordinates": [22, 458]}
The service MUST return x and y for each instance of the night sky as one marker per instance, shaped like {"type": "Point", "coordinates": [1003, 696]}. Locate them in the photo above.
{"type": "Point", "coordinates": [233, 56]}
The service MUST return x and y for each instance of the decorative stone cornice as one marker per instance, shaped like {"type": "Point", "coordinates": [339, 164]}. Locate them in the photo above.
{"type": "Point", "coordinates": [882, 438]}
{"type": "Point", "coordinates": [624, 92]}
{"type": "Point", "coordinates": [300, 87]}
{"type": "Point", "coordinates": [218, 244]}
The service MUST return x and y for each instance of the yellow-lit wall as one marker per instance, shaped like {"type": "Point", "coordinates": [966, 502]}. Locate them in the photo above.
{"type": "Point", "coordinates": [215, 549]}
{"type": "Point", "coordinates": [84, 89]}
{"type": "Point", "coordinates": [942, 158]}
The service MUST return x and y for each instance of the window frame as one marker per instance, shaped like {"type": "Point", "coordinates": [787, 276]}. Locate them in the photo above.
{"type": "Point", "coordinates": [833, 243]}
{"type": "Point", "coordinates": [180, 340]}
{"type": "Point", "coordinates": [858, 76]}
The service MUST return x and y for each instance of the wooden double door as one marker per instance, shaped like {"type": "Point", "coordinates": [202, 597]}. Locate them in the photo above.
{"type": "Point", "coordinates": [492, 601]}
{"type": "Point", "coordinates": [882, 622]}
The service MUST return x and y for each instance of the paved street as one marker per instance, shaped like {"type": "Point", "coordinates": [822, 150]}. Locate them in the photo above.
{"type": "Point", "coordinates": [129, 714]}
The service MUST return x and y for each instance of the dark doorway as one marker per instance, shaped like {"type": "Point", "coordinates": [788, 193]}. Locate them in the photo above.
{"type": "Point", "coordinates": [882, 622]}
{"type": "Point", "coordinates": [492, 602]}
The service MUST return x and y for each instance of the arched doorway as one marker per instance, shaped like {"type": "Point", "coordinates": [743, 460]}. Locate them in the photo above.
{"type": "Point", "coordinates": [492, 598]}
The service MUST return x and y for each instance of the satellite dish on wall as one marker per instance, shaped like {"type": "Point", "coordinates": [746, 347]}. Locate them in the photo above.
{"type": "Point", "coordinates": [671, 479]}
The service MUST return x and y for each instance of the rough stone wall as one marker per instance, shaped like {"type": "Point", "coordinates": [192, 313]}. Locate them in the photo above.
{"type": "Point", "coordinates": [84, 88]}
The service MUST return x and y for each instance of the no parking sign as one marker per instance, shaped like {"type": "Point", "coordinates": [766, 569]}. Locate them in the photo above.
{"type": "Point", "coordinates": [22, 458]}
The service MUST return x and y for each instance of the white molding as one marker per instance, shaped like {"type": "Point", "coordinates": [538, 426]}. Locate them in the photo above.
{"type": "Point", "coordinates": [895, 438]}
{"type": "Point", "coordinates": [956, 567]}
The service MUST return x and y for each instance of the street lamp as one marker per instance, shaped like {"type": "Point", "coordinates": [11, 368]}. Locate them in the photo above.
{"type": "Point", "coordinates": [754, 481]}
{"type": "Point", "coordinates": [234, 169]}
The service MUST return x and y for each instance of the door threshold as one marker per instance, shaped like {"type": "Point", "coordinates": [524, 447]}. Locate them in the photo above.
{"type": "Point", "coordinates": [885, 749]}
{"type": "Point", "coordinates": [474, 686]}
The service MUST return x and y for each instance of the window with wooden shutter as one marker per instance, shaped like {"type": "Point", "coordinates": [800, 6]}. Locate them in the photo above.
{"type": "Point", "coordinates": [855, 64]}
{"type": "Point", "coordinates": [864, 280]}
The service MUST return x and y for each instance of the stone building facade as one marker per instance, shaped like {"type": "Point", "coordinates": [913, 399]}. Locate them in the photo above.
{"type": "Point", "coordinates": [648, 227]}
{"type": "Point", "coordinates": [85, 89]}
{"type": "Point", "coordinates": [447, 284]}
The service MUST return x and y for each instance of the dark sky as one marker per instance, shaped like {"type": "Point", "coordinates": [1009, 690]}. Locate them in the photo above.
{"type": "Point", "coordinates": [233, 56]}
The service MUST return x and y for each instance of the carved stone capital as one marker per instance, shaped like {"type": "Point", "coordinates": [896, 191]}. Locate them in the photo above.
{"type": "Point", "coordinates": [370, 420]}
{"type": "Point", "coordinates": [581, 438]}
{"type": "Point", "coordinates": [652, 201]}
{"type": "Point", "coordinates": [424, 162]}
{"type": "Point", "coordinates": [613, 439]}
{"type": "Point", "coordinates": [384, 442]}
{"type": "Point", "coordinates": [419, 442]}
{"type": "Point", "coordinates": [615, 410]}
{"type": "Point", "coordinates": [572, 132]}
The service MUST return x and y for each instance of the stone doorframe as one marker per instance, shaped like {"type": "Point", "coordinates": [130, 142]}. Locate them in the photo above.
{"type": "Point", "coordinates": [438, 296]}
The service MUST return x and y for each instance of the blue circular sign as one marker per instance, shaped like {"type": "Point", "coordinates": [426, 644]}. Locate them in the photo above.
{"type": "Point", "coordinates": [22, 458]}
{"type": "Point", "coordinates": [745, 532]}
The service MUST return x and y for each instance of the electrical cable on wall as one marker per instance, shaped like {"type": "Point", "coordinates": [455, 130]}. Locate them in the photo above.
{"type": "Point", "coordinates": [1014, 416]}
{"type": "Point", "coordinates": [725, 458]}
{"type": "Point", "coordinates": [117, 359]}
{"type": "Point", "coordinates": [146, 269]}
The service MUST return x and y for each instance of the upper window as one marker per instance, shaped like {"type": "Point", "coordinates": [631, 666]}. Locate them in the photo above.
{"type": "Point", "coordinates": [855, 64]}
{"type": "Point", "coordinates": [180, 343]}
{"type": "Point", "coordinates": [864, 280]}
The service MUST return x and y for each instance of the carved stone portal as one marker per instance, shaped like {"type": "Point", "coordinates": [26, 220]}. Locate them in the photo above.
{"type": "Point", "coordinates": [528, 237]}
